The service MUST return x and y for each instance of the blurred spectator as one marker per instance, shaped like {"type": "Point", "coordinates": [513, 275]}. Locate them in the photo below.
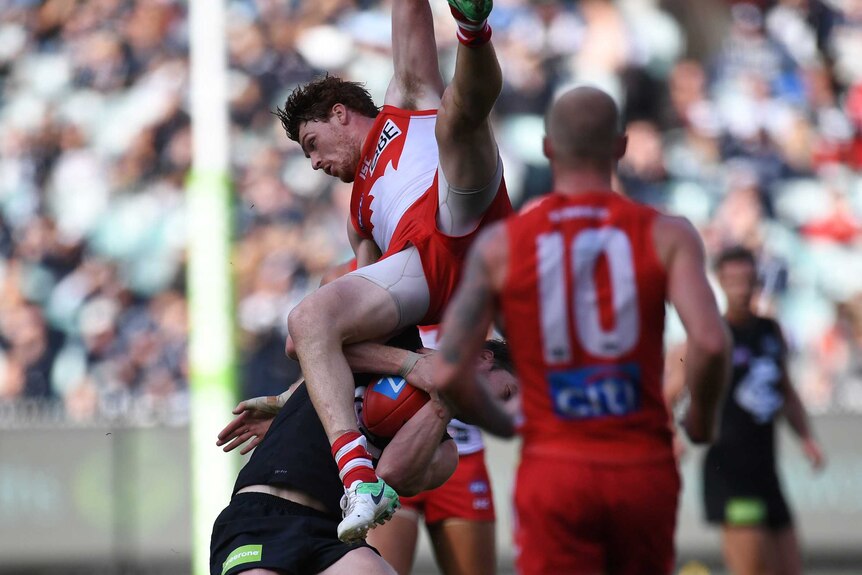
{"type": "Point", "coordinates": [95, 148]}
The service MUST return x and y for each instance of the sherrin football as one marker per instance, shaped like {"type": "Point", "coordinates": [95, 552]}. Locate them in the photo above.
{"type": "Point", "coordinates": [388, 403]}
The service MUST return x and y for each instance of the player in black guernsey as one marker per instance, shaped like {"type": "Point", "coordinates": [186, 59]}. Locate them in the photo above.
{"type": "Point", "coordinates": [742, 492]}
{"type": "Point", "coordinates": [285, 507]}
{"type": "Point", "coordinates": [283, 515]}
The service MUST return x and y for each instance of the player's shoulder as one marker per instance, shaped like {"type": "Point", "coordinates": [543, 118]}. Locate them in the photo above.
{"type": "Point", "coordinates": [674, 235]}
{"type": "Point", "coordinates": [674, 229]}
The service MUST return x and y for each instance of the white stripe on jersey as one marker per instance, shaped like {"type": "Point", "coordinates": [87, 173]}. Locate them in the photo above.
{"type": "Point", "coordinates": [396, 190]}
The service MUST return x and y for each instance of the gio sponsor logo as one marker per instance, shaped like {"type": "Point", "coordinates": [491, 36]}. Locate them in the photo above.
{"type": "Point", "coordinates": [389, 132]}
{"type": "Point", "coordinates": [242, 555]}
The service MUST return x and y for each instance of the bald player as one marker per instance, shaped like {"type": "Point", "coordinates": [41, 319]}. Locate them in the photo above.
{"type": "Point", "coordinates": [579, 283]}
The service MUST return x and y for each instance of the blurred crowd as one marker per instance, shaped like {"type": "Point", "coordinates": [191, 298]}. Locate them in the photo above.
{"type": "Point", "coordinates": [745, 117]}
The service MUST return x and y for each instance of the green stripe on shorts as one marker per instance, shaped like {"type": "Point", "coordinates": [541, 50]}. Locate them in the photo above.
{"type": "Point", "coordinates": [241, 555]}
{"type": "Point", "coordinates": [745, 511]}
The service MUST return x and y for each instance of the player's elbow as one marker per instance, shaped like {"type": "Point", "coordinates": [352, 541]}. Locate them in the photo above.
{"type": "Point", "coordinates": [713, 343]}
{"type": "Point", "coordinates": [407, 481]}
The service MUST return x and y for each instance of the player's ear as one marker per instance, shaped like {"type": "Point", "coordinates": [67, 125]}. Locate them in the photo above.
{"type": "Point", "coordinates": [486, 359]}
{"type": "Point", "coordinates": [547, 149]}
{"type": "Point", "coordinates": [622, 146]}
{"type": "Point", "coordinates": [339, 113]}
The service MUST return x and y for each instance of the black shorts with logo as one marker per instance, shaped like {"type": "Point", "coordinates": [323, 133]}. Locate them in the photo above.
{"type": "Point", "coordinates": [743, 496]}
{"type": "Point", "coordinates": [257, 530]}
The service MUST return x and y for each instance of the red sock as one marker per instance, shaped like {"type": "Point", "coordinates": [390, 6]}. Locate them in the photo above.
{"type": "Point", "coordinates": [472, 34]}
{"type": "Point", "coordinates": [350, 451]}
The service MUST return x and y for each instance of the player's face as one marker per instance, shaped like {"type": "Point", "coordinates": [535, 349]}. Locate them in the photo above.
{"type": "Point", "coordinates": [328, 146]}
{"type": "Point", "coordinates": [503, 384]}
{"type": "Point", "coordinates": [737, 281]}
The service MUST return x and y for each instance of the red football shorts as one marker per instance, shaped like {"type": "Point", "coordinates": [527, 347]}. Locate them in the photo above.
{"type": "Point", "coordinates": [466, 495]}
{"type": "Point", "coordinates": [583, 518]}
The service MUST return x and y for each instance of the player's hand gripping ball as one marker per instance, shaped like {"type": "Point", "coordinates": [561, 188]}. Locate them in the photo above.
{"type": "Point", "coordinates": [389, 402]}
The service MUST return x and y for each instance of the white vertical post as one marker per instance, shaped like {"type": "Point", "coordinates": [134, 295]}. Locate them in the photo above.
{"type": "Point", "coordinates": [211, 341]}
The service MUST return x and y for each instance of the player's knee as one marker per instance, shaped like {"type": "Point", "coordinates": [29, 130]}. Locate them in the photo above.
{"type": "Point", "coordinates": [303, 324]}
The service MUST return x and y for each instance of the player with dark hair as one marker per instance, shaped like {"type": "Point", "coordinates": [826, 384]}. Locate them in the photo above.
{"type": "Point", "coordinates": [283, 515]}
{"type": "Point", "coordinates": [741, 489]}
{"type": "Point", "coordinates": [581, 280]}
{"type": "Point", "coordinates": [426, 176]}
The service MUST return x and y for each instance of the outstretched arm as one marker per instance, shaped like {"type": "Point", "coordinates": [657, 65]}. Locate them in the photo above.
{"type": "Point", "coordinates": [416, 84]}
{"type": "Point", "coordinates": [798, 419]}
{"type": "Point", "coordinates": [253, 419]}
{"type": "Point", "coordinates": [464, 328]}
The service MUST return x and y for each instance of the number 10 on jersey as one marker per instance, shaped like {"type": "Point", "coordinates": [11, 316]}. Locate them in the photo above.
{"type": "Point", "coordinates": [578, 308]}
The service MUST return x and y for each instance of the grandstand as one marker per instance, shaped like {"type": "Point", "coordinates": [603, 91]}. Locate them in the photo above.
{"type": "Point", "coordinates": [744, 117]}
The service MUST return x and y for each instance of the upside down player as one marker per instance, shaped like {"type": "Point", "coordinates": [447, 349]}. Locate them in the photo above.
{"type": "Point", "coordinates": [582, 279]}
{"type": "Point", "coordinates": [282, 517]}
{"type": "Point", "coordinates": [459, 515]}
{"type": "Point", "coordinates": [427, 174]}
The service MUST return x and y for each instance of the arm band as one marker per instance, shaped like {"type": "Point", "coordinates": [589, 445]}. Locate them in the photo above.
{"type": "Point", "coordinates": [409, 363]}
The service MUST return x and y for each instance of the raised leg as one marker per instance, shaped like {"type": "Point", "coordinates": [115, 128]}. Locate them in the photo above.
{"type": "Point", "coordinates": [469, 159]}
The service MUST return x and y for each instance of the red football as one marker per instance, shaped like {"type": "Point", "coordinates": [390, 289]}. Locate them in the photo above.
{"type": "Point", "coordinates": [389, 402]}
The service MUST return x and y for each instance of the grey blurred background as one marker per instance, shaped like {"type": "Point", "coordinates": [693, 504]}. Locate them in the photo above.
{"type": "Point", "coordinates": [745, 117]}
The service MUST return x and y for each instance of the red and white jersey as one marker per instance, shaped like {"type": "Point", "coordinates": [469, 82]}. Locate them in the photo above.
{"type": "Point", "coordinates": [398, 165]}
{"type": "Point", "coordinates": [395, 199]}
{"type": "Point", "coordinates": [468, 438]}
{"type": "Point", "coordinates": [583, 305]}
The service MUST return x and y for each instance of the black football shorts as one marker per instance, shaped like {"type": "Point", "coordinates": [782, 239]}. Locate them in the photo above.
{"type": "Point", "coordinates": [257, 530]}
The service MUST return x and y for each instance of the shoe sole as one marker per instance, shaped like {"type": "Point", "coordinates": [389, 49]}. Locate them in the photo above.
{"type": "Point", "coordinates": [360, 531]}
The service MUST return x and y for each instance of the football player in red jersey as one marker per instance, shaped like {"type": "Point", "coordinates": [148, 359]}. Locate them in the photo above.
{"type": "Point", "coordinates": [580, 280]}
{"type": "Point", "coordinates": [426, 176]}
{"type": "Point", "coordinates": [459, 515]}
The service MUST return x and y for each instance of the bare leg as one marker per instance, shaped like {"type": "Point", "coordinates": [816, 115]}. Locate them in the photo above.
{"type": "Point", "coordinates": [745, 550]}
{"type": "Point", "coordinates": [468, 150]}
{"type": "Point", "coordinates": [348, 310]}
{"type": "Point", "coordinates": [396, 540]}
{"type": "Point", "coordinates": [362, 560]}
{"type": "Point", "coordinates": [464, 547]}
{"type": "Point", "coordinates": [785, 545]}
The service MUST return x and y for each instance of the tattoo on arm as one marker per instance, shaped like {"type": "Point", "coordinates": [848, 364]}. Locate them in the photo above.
{"type": "Point", "coordinates": [470, 310]}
